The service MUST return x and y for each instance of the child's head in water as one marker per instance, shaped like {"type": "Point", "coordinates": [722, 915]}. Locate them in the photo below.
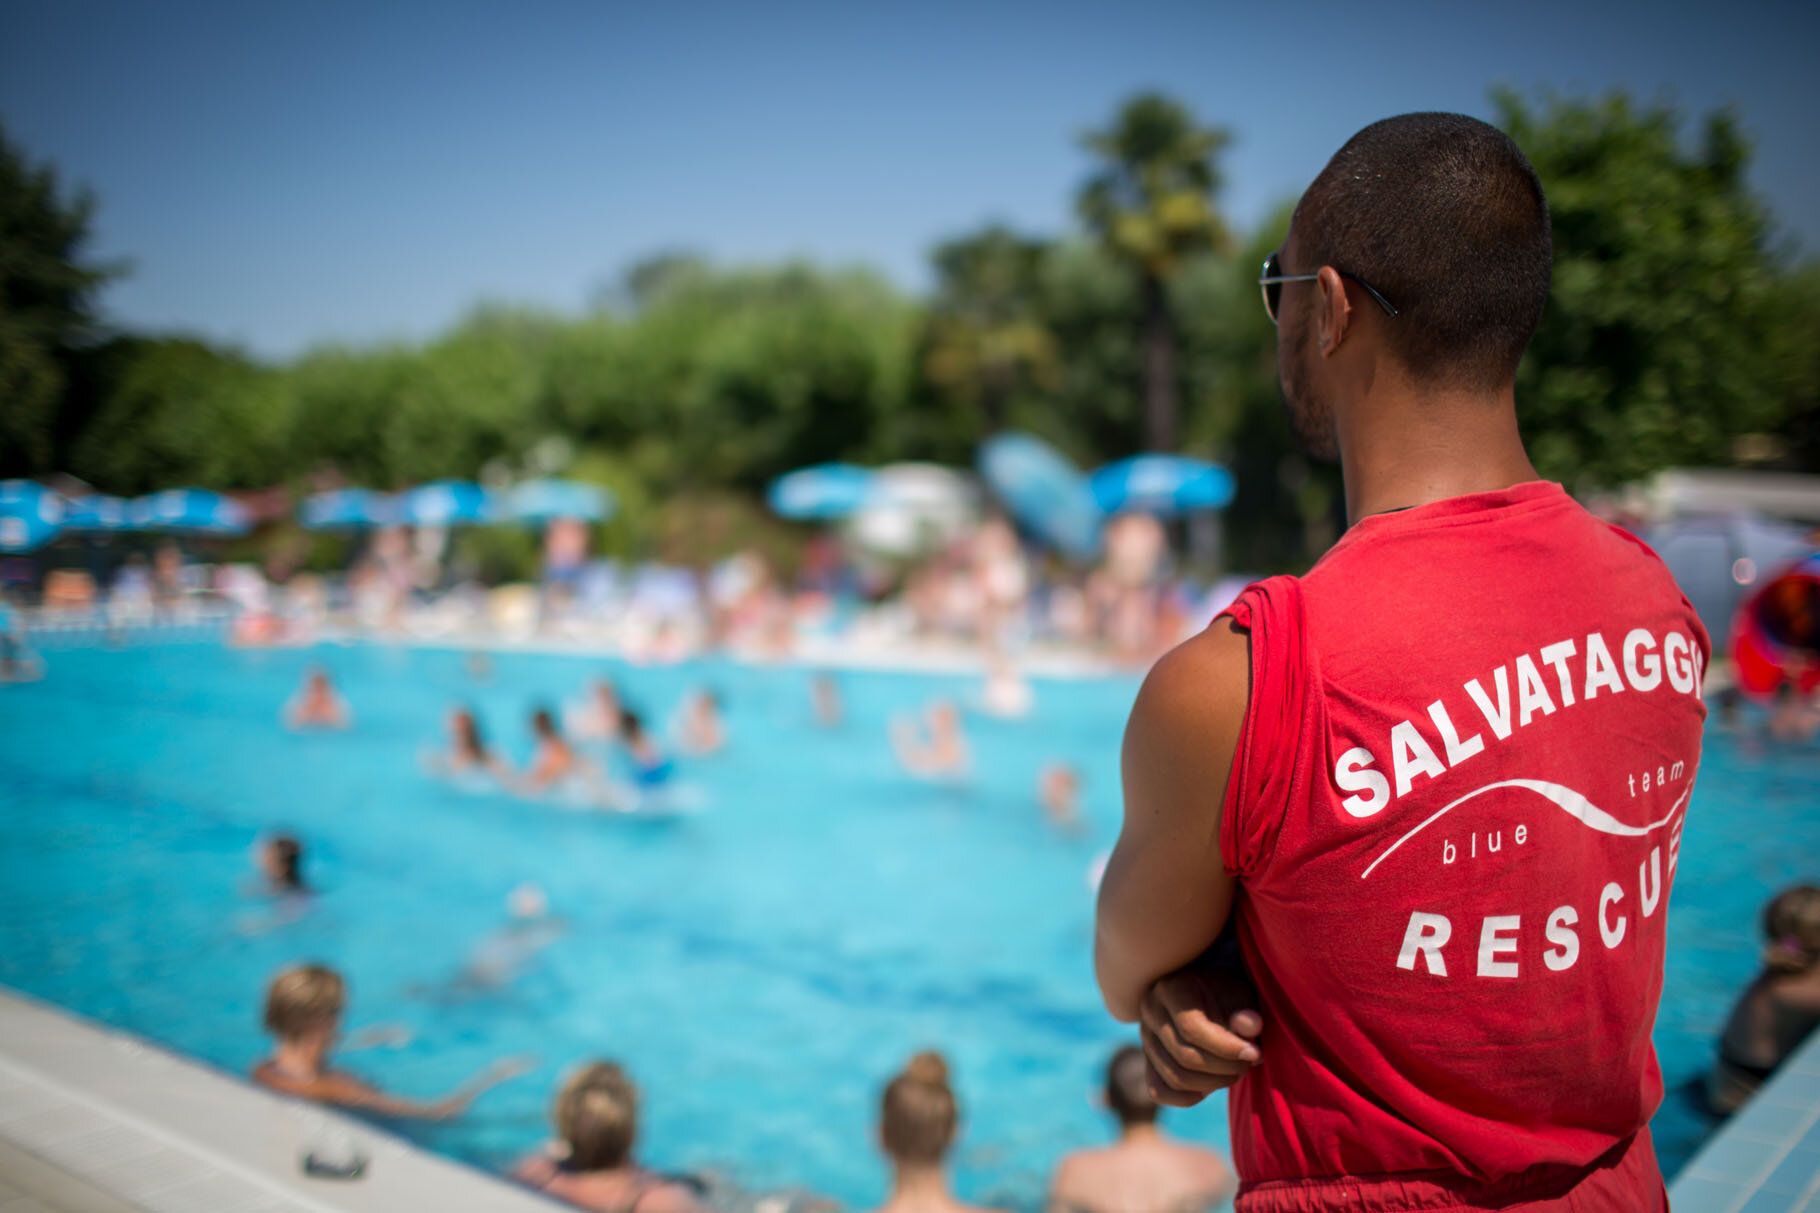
{"type": "Point", "coordinates": [304, 1005]}
{"type": "Point", "coordinates": [596, 1115]}
{"type": "Point", "coordinates": [1792, 922]}
{"type": "Point", "coordinates": [281, 860]}
{"type": "Point", "coordinates": [1128, 1088]}
{"type": "Point", "coordinates": [919, 1115]}
{"type": "Point", "coordinates": [631, 725]}
{"type": "Point", "coordinates": [543, 723]}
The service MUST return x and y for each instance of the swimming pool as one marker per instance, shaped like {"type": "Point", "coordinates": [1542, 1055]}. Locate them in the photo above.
{"type": "Point", "coordinates": [761, 966]}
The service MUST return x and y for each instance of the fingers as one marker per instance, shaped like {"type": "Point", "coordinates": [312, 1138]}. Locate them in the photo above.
{"type": "Point", "coordinates": [1191, 1035]}
{"type": "Point", "coordinates": [1246, 1023]}
{"type": "Point", "coordinates": [1169, 1084]}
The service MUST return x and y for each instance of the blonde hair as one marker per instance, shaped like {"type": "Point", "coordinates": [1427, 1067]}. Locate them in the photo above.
{"type": "Point", "coordinates": [919, 1114]}
{"type": "Point", "coordinates": [1792, 922]}
{"type": "Point", "coordinates": [303, 998]}
{"type": "Point", "coordinates": [596, 1115]}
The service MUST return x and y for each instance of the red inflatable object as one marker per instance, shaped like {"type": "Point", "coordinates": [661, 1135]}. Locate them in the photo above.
{"type": "Point", "coordinates": [1776, 634]}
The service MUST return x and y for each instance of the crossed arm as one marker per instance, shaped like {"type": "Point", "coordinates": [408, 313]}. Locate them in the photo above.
{"type": "Point", "coordinates": [1166, 895]}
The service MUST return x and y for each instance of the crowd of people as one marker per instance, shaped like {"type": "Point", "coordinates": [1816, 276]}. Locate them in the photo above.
{"type": "Point", "coordinates": [592, 1160]}
{"type": "Point", "coordinates": [599, 753]}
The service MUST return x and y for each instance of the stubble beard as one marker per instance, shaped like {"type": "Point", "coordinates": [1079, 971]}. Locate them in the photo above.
{"type": "Point", "coordinates": [1310, 416]}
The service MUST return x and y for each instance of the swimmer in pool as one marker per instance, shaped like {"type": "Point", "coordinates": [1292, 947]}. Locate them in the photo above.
{"type": "Point", "coordinates": [918, 1121]}
{"type": "Point", "coordinates": [591, 1164]}
{"type": "Point", "coordinates": [597, 719]}
{"type": "Point", "coordinates": [824, 693]}
{"type": "Point", "coordinates": [1144, 1171]}
{"type": "Point", "coordinates": [287, 895]}
{"type": "Point", "coordinates": [303, 1010]}
{"type": "Point", "coordinates": [317, 705]}
{"type": "Point", "coordinates": [1779, 1009]}
{"type": "Point", "coordinates": [17, 663]}
{"type": "Point", "coordinates": [554, 761]}
{"type": "Point", "coordinates": [1058, 789]}
{"type": "Point", "coordinates": [281, 864]}
{"type": "Point", "coordinates": [939, 751]}
{"type": "Point", "coordinates": [468, 752]}
{"type": "Point", "coordinates": [651, 769]}
{"type": "Point", "coordinates": [702, 730]}
{"type": "Point", "coordinates": [504, 954]}
{"type": "Point", "coordinates": [1005, 692]}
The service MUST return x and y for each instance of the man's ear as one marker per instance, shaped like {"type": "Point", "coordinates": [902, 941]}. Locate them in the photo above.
{"type": "Point", "coordinates": [1334, 320]}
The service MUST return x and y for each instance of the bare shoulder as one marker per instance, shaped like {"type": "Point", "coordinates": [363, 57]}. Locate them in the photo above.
{"type": "Point", "coordinates": [670, 1197]}
{"type": "Point", "coordinates": [1207, 674]}
{"type": "Point", "coordinates": [1196, 694]}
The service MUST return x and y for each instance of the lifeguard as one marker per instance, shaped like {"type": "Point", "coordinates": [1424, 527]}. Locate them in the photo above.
{"type": "Point", "coordinates": [1437, 785]}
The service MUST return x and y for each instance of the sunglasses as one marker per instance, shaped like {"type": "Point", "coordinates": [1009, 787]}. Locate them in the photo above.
{"type": "Point", "coordinates": [1271, 280]}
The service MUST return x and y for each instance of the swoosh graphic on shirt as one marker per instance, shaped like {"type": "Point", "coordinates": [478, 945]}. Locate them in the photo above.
{"type": "Point", "coordinates": [1568, 800]}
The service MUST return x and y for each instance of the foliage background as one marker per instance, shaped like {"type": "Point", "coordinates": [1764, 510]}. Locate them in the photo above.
{"type": "Point", "coordinates": [1679, 332]}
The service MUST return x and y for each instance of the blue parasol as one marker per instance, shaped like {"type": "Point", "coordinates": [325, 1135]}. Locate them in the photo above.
{"type": "Point", "coordinates": [1045, 493]}
{"type": "Point", "coordinates": [541, 501]}
{"type": "Point", "coordinates": [30, 515]}
{"type": "Point", "coordinates": [824, 491]}
{"type": "Point", "coordinates": [196, 511]}
{"type": "Point", "coordinates": [446, 503]}
{"type": "Point", "coordinates": [1162, 484]}
{"type": "Point", "coordinates": [348, 510]}
{"type": "Point", "coordinates": [98, 512]}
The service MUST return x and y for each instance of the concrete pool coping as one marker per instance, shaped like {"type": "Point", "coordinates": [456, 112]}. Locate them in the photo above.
{"type": "Point", "coordinates": [94, 1120]}
{"type": "Point", "coordinates": [1765, 1159]}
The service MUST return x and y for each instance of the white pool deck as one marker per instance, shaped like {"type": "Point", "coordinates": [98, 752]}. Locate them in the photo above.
{"type": "Point", "coordinates": [97, 1121]}
{"type": "Point", "coordinates": [1767, 1158]}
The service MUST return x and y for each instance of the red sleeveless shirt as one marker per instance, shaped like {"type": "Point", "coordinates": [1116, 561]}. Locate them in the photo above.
{"type": "Point", "coordinates": [1454, 816]}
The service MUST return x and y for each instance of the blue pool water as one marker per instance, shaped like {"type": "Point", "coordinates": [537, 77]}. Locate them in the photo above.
{"type": "Point", "coordinates": [761, 966]}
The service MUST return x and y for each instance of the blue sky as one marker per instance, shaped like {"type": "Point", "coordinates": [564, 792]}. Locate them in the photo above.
{"type": "Point", "coordinates": [287, 175]}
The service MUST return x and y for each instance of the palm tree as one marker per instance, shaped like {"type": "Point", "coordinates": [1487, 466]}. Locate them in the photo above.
{"type": "Point", "coordinates": [986, 343]}
{"type": "Point", "coordinates": [1151, 204]}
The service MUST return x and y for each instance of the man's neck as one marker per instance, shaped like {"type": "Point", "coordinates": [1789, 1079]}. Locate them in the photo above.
{"type": "Point", "coordinates": [1139, 1134]}
{"type": "Point", "coordinates": [920, 1186]}
{"type": "Point", "coordinates": [300, 1058]}
{"type": "Point", "coordinates": [1404, 446]}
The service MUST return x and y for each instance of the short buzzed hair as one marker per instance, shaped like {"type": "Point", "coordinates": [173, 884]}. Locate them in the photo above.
{"type": "Point", "coordinates": [1444, 216]}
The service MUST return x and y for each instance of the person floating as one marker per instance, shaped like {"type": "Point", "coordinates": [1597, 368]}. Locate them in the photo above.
{"type": "Point", "coordinates": [303, 1010]}
{"type": "Point", "coordinates": [554, 760]}
{"type": "Point", "coordinates": [467, 752]}
{"type": "Point", "coordinates": [597, 717]}
{"type": "Point", "coordinates": [1444, 775]}
{"type": "Point", "coordinates": [939, 750]}
{"type": "Point", "coordinates": [824, 695]}
{"type": "Point", "coordinates": [918, 1120]}
{"type": "Point", "coordinates": [1058, 790]}
{"type": "Point", "coordinates": [317, 705]}
{"type": "Point", "coordinates": [1780, 1007]}
{"type": "Point", "coordinates": [1144, 1171]}
{"type": "Point", "coordinates": [651, 768]}
{"type": "Point", "coordinates": [591, 1165]}
{"type": "Point", "coordinates": [17, 662]}
{"type": "Point", "coordinates": [702, 729]}
{"type": "Point", "coordinates": [281, 865]}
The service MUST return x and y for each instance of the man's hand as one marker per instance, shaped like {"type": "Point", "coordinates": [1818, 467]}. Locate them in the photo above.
{"type": "Point", "coordinates": [1198, 1026]}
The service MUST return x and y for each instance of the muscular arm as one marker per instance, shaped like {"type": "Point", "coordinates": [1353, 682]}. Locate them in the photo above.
{"type": "Point", "coordinates": [1166, 893]}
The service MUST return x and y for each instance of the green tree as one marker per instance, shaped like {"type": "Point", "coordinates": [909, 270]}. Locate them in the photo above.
{"type": "Point", "coordinates": [1657, 344]}
{"type": "Point", "coordinates": [47, 301]}
{"type": "Point", "coordinates": [984, 342]}
{"type": "Point", "coordinates": [178, 412]}
{"type": "Point", "coordinates": [1151, 204]}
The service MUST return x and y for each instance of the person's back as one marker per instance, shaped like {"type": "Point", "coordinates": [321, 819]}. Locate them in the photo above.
{"type": "Point", "coordinates": [1437, 785]}
{"type": "Point", "coordinates": [1144, 1171]}
{"type": "Point", "coordinates": [1456, 845]}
